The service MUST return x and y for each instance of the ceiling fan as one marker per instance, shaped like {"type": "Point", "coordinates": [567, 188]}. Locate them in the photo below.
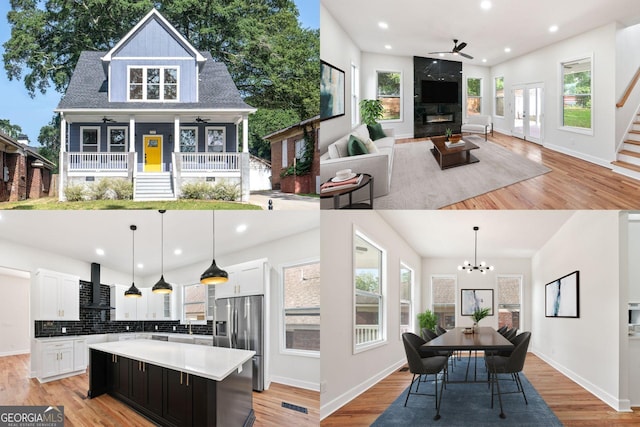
{"type": "Point", "coordinates": [456, 49]}
{"type": "Point", "coordinates": [201, 120]}
{"type": "Point", "coordinates": [106, 120]}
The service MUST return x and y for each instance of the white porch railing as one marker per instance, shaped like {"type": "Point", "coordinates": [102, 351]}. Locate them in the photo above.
{"type": "Point", "coordinates": [367, 333]}
{"type": "Point", "coordinates": [207, 162]}
{"type": "Point", "coordinates": [112, 162]}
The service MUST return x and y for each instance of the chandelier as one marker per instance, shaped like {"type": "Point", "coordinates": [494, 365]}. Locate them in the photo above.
{"type": "Point", "coordinates": [483, 267]}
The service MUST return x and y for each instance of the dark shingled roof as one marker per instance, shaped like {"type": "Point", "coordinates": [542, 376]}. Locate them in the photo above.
{"type": "Point", "coordinates": [87, 88]}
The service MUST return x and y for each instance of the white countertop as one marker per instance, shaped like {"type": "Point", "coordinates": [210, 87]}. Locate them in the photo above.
{"type": "Point", "coordinates": [145, 334]}
{"type": "Point", "coordinates": [215, 363]}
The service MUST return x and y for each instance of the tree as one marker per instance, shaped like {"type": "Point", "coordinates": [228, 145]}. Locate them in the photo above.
{"type": "Point", "coordinates": [49, 139]}
{"type": "Point", "coordinates": [10, 129]}
{"type": "Point", "coordinates": [264, 122]}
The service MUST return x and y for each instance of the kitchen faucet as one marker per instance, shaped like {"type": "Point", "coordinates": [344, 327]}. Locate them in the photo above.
{"type": "Point", "coordinates": [189, 322]}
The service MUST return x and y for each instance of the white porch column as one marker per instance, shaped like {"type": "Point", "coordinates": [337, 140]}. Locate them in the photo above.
{"type": "Point", "coordinates": [176, 134]}
{"type": "Point", "coordinates": [63, 148]}
{"type": "Point", "coordinates": [132, 134]}
{"type": "Point", "coordinates": [245, 134]}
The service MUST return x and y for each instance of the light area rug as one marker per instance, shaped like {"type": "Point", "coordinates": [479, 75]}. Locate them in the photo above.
{"type": "Point", "coordinates": [418, 183]}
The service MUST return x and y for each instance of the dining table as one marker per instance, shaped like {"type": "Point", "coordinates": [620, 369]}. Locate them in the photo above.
{"type": "Point", "coordinates": [481, 338]}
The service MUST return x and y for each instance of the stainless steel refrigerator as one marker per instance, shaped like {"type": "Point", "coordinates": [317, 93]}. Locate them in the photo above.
{"type": "Point", "coordinates": [238, 323]}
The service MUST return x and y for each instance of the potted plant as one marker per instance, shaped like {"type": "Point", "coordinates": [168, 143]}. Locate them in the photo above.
{"type": "Point", "coordinates": [370, 111]}
{"type": "Point", "coordinates": [448, 133]}
{"type": "Point", "coordinates": [428, 320]}
{"type": "Point", "coordinates": [478, 315]}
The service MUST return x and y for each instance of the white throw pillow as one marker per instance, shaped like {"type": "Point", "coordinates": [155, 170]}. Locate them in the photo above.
{"type": "Point", "coordinates": [342, 146]}
{"type": "Point", "coordinates": [333, 151]}
{"type": "Point", "coordinates": [371, 146]}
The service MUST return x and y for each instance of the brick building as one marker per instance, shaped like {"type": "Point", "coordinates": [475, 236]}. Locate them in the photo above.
{"type": "Point", "coordinates": [24, 174]}
{"type": "Point", "coordinates": [288, 145]}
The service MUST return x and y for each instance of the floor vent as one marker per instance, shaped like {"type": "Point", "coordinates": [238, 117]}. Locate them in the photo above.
{"type": "Point", "coordinates": [294, 407]}
{"type": "Point", "coordinates": [405, 369]}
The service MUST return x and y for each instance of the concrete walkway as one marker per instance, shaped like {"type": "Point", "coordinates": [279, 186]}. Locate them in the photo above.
{"type": "Point", "coordinates": [284, 201]}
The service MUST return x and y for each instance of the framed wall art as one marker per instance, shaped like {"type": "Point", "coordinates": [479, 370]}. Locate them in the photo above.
{"type": "Point", "coordinates": [562, 296]}
{"type": "Point", "coordinates": [474, 299]}
{"type": "Point", "coordinates": [332, 91]}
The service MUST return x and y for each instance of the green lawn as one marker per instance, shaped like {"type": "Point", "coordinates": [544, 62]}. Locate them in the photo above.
{"type": "Point", "coordinates": [52, 203]}
{"type": "Point", "coordinates": [577, 117]}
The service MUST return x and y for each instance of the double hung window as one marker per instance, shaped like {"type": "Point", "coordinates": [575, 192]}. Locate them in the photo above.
{"type": "Point", "coordinates": [153, 83]}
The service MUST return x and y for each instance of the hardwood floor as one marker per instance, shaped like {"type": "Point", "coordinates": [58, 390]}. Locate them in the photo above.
{"type": "Point", "coordinates": [571, 184]}
{"type": "Point", "coordinates": [573, 405]}
{"type": "Point", "coordinates": [17, 389]}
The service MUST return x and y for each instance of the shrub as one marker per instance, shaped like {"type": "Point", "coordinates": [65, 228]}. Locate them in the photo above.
{"type": "Point", "coordinates": [74, 193]}
{"type": "Point", "coordinates": [226, 191]}
{"type": "Point", "coordinates": [123, 189]}
{"type": "Point", "coordinates": [102, 190]}
{"type": "Point", "coordinates": [205, 191]}
{"type": "Point", "coordinates": [196, 190]}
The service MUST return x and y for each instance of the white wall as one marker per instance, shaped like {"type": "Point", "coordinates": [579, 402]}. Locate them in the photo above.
{"type": "Point", "coordinates": [14, 313]}
{"type": "Point", "coordinates": [484, 73]}
{"type": "Point", "coordinates": [339, 50]}
{"type": "Point", "coordinates": [298, 371]}
{"type": "Point", "coordinates": [634, 254]}
{"type": "Point", "coordinates": [627, 63]}
{"type": "Point", "coordinates": [345, 375]}
{"type": "Point", "coordinates": [586, 349]}
{"type": "Point", "coordinates": [476, 280]}
{"type": "Point", "coordinates": [544, 66]}
{"type": "Point", "coordinates": [371, 63]}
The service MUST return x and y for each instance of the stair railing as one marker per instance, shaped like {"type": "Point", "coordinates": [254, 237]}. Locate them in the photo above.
{"type": "Point", "coordinates": [627, 93]}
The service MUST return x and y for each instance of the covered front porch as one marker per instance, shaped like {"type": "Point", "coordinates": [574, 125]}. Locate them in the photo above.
{"type": "Point", "coordinates": [158, 152]}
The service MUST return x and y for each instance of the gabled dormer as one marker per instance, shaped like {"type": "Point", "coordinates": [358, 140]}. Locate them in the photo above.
{"type": "Point", "coordinates": [153, 63]}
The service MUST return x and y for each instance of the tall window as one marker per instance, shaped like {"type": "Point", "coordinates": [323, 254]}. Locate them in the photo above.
{"type": "Point", "coordinates": [153, 83]}
{"type": "Point", "coordinates": [117, 139]}
{"type": "Point", "coordinates": [443, 297]}
{"type": "Point", "coordinates": [576, 94]}
{"type": "Point", "coordinates": [188, 140]}
{"type": "Point", "coordinates": [389, 89]}
{"type": "Point", "coordinates": [406, 287]}
{"type": "Point", "coordinates": [301, 307]}
{"type": "Point", "coordinates": [499, 96]}
{"type": "Point", "coordinates": [369, 293]}
{"type": "Point", "coordinates": [355, 96]}
{"type": "Point", "coordinates": [474, 96]}
{"type": "Point", "coordinates": [90, 139]}
{"type": "Point", "coordinates": [194, 303]}
{"type": "Point", "coordinates": [509, 301]}
{"type": "Point", "coordinates": [215, 140]}
{"type": "Point", "coordinates": [300, 148]}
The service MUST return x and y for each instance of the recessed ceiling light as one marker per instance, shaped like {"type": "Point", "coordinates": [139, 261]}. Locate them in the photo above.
{"type": "Point", "coordinates": [553, 28]}
{"type": "Point", "coordinates": [486, 5]}
{"type": "Point", "coordinates": [442, 54]}
{"type": "Point", "coordinates": [387, 46]}
{"type": "Point", "coordinates": [100, 251]}
{"type": "Point", "coordinates": [140, 265]}
{"type": "Point", "coordinates": [178, 251]}
{"type": "Point", "coordinates": [383, 25]}
{"type": "Point", "coordinates": [484, 59]}
{"type": "Point", "coordinates": [507, 49]}
{"type": "Point", "coordinates": [241, 228]}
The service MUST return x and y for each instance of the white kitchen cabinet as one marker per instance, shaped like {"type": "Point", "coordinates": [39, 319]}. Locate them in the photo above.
{"type": "Point", "coordinates": [56, 359]}
{"type": "Point", "coordinates": [56, 296]}
{"type": "Point", "coordinates": [141, 304]}
{"type": "Point", "coordinates": [79, 355]}
{"type": "Point", "coordinates": [248, 278]}
{"type": "Point", "coordinates": [158, 306]}
{"type": "Point", "coordinates": [125, 308]}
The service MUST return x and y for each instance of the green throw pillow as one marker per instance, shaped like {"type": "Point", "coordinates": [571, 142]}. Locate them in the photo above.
{"type": "Point", "coordinates": [376, 132]}
{"type": "Point", "coordinates": [356, 147]}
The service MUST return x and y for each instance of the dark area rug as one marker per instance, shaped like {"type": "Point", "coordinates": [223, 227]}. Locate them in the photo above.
{"type": "Point", "coordinates": [469, 404]}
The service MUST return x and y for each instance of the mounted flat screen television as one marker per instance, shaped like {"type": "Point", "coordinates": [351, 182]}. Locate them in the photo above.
{"type": "Point", "coordinates": [439, 92]}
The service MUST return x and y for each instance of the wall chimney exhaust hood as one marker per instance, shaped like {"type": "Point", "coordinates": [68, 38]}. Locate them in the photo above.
{"type": "Point", "coordinates": [95, 290]}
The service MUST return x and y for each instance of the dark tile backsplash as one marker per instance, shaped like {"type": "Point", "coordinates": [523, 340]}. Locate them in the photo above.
{"type": "Point", "coordinates": [99, 321]}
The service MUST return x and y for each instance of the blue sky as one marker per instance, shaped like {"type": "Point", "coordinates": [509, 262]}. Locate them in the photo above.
{"type": "Point", "coordinates": [32, 114]}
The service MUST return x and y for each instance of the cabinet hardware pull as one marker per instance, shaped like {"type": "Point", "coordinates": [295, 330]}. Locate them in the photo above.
{"type": "Point", "coordinates": [180, 378]}
{"type": "Point", "coordinates": [144, 367]}
{"type": "Point", "coordinates": [139, 366]}
{"type": "Point", "coordinates": [187, 380]}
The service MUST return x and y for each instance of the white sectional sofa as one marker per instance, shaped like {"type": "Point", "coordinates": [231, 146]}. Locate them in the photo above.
{"type": "Point", "coordinates": [478, 124]}
{"type": "Point", "coordinates": [378, 164]}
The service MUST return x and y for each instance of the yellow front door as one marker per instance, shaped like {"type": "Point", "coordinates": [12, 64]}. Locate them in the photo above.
{"type": "Point", "coordinates": [152, 153]}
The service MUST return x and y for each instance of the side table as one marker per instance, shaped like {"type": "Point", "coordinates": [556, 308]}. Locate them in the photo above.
{"type": "Point", "coordinates": [335, 194]}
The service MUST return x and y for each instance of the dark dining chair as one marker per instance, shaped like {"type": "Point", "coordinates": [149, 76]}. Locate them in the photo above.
{"type": "Point", "coordinates": [440, 330]}
{"type": "Point", "coordinates": [419, 366]}
{"type": "Point", "coordinates": [510, 334]}
{"type": "Point", "coordinates": [511, 364]}
{"type": "Point", "coordinates": [503, 329]}
{"type": "Point", "coordinates": [428, 334]}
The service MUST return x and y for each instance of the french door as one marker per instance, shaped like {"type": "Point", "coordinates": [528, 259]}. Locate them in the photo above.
{"type": "Point", "coordinates": [528, 112]}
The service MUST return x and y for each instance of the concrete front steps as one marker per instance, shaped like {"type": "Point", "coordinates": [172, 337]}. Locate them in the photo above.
{"type": "Point", "coordinates": [628, 158]}
{"type": "Point", "coordinates": [154, 186]}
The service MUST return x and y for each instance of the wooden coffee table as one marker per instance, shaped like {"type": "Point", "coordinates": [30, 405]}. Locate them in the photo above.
{"type": "Point", "coordinates": [452, 157]}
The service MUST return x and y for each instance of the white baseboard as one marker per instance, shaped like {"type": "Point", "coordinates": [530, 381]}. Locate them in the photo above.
{"type": "Point", "coordinates": [14, 352]}
{"type": "Point", "coordinates": [579, 155]}
{"type": "Point", "coordinates": [620, 405]}
{"type": "Point", "coordinates": [307, 385]}
{"type": "Point", "coordinates": [346, 397]}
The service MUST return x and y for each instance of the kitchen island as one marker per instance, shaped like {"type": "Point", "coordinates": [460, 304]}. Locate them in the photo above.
{"type": "Point", "coordinates": [176, 384]}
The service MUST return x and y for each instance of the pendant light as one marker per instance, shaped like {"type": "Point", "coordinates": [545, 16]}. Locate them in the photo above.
{"type": "Point", "coordinates": [133, 292]}
{"type": "Point", "coordinates": [162, 287]}
{"type": "Point", "coordinates": [483, 267]}
{"type": "Point", "coordinates": [214, 275]}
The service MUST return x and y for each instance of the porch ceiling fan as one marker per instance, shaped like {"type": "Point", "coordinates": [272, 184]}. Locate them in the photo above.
{"type": "Point", "coordinates": [201, 120]}
{"type": "Point", "coordinates": [107, 120]}
{"type": "Point", "coordinates": [456, 49]}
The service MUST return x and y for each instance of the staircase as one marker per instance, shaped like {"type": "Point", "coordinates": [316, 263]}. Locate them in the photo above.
{"type": "Point", "coordinates": [628, 159]}
{"type": "Point", "coordinates": [155, 186]}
